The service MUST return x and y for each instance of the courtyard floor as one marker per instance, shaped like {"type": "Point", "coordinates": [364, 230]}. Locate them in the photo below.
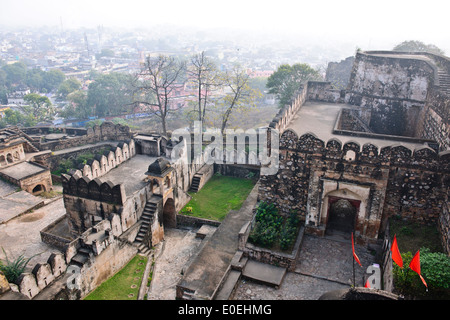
{"type": "Point", "coordinates": [325, 264]}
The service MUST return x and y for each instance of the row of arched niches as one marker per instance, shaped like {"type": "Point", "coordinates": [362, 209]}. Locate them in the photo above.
{"type": "Point", "coordinates": [397, 154]}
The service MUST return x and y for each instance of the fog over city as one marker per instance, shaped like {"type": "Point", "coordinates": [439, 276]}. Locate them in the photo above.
{"type": "Point", "coordinates": [340, 25]}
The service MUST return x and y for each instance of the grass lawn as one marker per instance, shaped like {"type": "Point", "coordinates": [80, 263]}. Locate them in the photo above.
{"type": "Point", "coordinates": [412, 236]}
{"type": "Point", "coordinates": [218, 196]}
{"type": "Point", "coordinates": [124, 285]}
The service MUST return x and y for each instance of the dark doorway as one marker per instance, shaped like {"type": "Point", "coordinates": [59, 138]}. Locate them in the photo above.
{"type": "Point", "coordinates": [342, 214]}
{"type": "Point", "coordinates": [38, 189]}
{"type": "Point", "coordinates": [169, 214]}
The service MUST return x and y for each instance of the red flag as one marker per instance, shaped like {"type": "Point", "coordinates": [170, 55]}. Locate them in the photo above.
{"type": "Point", "coordinates": [354, 253]}
{"type": "Point", "coordinates": [367, 285]}
{"type": "Point", "coordinates": [415, 266]}
{"type": "Point", "coordinates": [396, 256]}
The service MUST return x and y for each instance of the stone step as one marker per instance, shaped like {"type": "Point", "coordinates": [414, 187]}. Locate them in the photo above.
{"type": "Point", "coordinates": [265, 273]}
{"type": "Point", "coordinates": [229, 285]}
{"type": "Point", "coordinates": [147, 220]}
{"type": "Point", "coordinates": [80, 258]}
{"type": "Point", "coordinates": [141, 233]}
{"type": "Point", "coordinates": [84, 251]}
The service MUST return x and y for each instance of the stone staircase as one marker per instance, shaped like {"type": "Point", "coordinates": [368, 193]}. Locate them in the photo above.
{"type": "Point", "coordinates": [146, 221]}
{"type": "Point", "coordinates": [82, 256]}
{"type": "Point", "coordinates": [195, 185]}
{"type": "Point", "coordinates": [444, 81]}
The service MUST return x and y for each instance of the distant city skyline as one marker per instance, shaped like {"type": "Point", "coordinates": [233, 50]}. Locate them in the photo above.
{"type": "Point", "coordinates": [372, 25]}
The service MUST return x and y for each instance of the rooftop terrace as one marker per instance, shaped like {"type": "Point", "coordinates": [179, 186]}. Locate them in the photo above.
{"type": "Point", "coordinates": [320, 118]}
{"type": "Point", "coordinates": [130, 174]}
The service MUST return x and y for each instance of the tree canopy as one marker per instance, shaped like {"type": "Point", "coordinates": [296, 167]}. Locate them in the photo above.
{"type": "Point", "coordinates": [38, 80]}
{"type": "Point", "coordinates": [68, 86]}
{"type": "Point", "coordinates": [285, 82]}
{"type": "Point", "coordinates": [418, 46]}
{"type": "Point", "coordinates": [39, 106]}
{"type": "Point", "coordinates": [109, 94]}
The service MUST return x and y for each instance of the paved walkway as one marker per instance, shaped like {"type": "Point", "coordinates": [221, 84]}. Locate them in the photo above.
{"type": "Point", "coordinates": [205, 274]}
{"type": "Point", "coordinates": [171, 259]}
{"type": "Point", "coordinates": [325, 264]}
{"type": "Point", "coordinates": [21, 235]}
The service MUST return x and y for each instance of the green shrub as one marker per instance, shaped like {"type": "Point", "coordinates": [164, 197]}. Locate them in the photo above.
{"type": "Point", "coordinates": [435, 269]}
{"type": "Point", "coordinates": [12, 269]}
{"type": "Point", "coordinates": [271, 228]}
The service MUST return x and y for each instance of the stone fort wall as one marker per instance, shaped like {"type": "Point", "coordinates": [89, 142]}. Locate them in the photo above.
{"type": "Point", "coordinates": [77, 136]}
{"type": "Point", "coordinates": [404, 182]}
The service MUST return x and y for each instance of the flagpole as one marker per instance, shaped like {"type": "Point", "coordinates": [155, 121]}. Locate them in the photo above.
{"type": "Point", "coordinates": [354, 285]}
{"type": "Point", "coordinates": [353, 264]}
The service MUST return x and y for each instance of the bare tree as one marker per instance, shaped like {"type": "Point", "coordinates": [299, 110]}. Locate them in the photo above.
{"type": "Point", "coordinates": [240, 95]}
{"type": "Point", "coordinates": [154, 86]}
{"type": "Point", "coordinates": [205, 76]}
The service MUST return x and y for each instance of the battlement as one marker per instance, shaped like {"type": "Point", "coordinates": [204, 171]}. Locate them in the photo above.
{"type": "Point", "coordinates": [394, 155]}
{"type": "Point", "coordinates": [81, 186]}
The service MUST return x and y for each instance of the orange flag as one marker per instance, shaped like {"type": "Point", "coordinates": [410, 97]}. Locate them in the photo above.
{"type": "Point", "coordinates": [415, 266]}
{"type": "Point", "coordinates": [354, 253]}
{"type": "Point", "coordinates": [367, 285]}
{"type": "Point", "coordinates": [396, 256]}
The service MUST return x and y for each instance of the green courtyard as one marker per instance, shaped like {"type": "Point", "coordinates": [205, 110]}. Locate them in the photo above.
{"type": "Point", "coordinates": [124, 285]}
{"type": "Point", "coordinates": [218, 196]}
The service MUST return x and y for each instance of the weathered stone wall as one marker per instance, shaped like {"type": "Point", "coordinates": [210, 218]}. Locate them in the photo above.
{"type": "Point", "coordinates": [399, 181]}
{"type": "Point", "coordinates": [237, 170]}
{"type": "Point", "coordinates": [338, 73]}
{"type": "Point", "coordinates": [286, 113]}
{"type": "Point", "coordinates": [435, 119]}
{"type": "Point", "coordinates": [102, 164]}
{"type": "Point", "coordinates": [32, 283]}
{"type": "Point", "coordinates": [28, 183]}
{"type": "Point", "coordinates": [100, 267]}
{"type": "Point", "coordinates": [44, 179]}
{"type": "Point", "coordinates": [324, 91]}
{"type": "Point", "coordinates": [444, 223]}
{"type": "Point", "coordinates": [11, 154]}
{"type": "Point", "coordinates": [394, 88]}
{"type": "Point", "coordinates": [77, 137]}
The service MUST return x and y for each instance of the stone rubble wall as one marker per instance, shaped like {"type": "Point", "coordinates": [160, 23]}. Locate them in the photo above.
{"type": "Point", "coordinates": [77, 136]}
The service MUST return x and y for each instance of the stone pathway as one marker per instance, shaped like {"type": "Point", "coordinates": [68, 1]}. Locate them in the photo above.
{"type": "Point", "coordinates": [178, 248]}
{"type": "Point", "coordinates": [21, 235]}
{"type": "Point", "coordinates": [325, 264]}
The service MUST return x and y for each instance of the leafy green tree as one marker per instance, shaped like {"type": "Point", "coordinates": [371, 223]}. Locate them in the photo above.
{"type": "Point", "coordinates": [418, 46]}
{"type": "Point", "coordinates": [40, 107]}
{"type": "Point", "coordinates": [285, 82]}
{"type": "Point", "coordinates": [77, 105]}
{"type": "Point", "coordinates": [2, 78]}
{"type": "Point", "coordinates": [52, 80]}
{"type": "Point", "coordinates": [3, 95]}
{"type": "Point", "coordinates": [17, 118]}
{"type": "Point", "coordinates": [15, 73]}
{"type": "Point", "coordinates": [68, 86]}
{"type": "Point", "coordinates": [110, 94]}
{"type": "Point", "coordinates": [35, 79]}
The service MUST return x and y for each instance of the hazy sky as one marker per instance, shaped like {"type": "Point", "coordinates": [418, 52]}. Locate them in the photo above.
{"type": "Point", "coordinates": [374, 22]}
